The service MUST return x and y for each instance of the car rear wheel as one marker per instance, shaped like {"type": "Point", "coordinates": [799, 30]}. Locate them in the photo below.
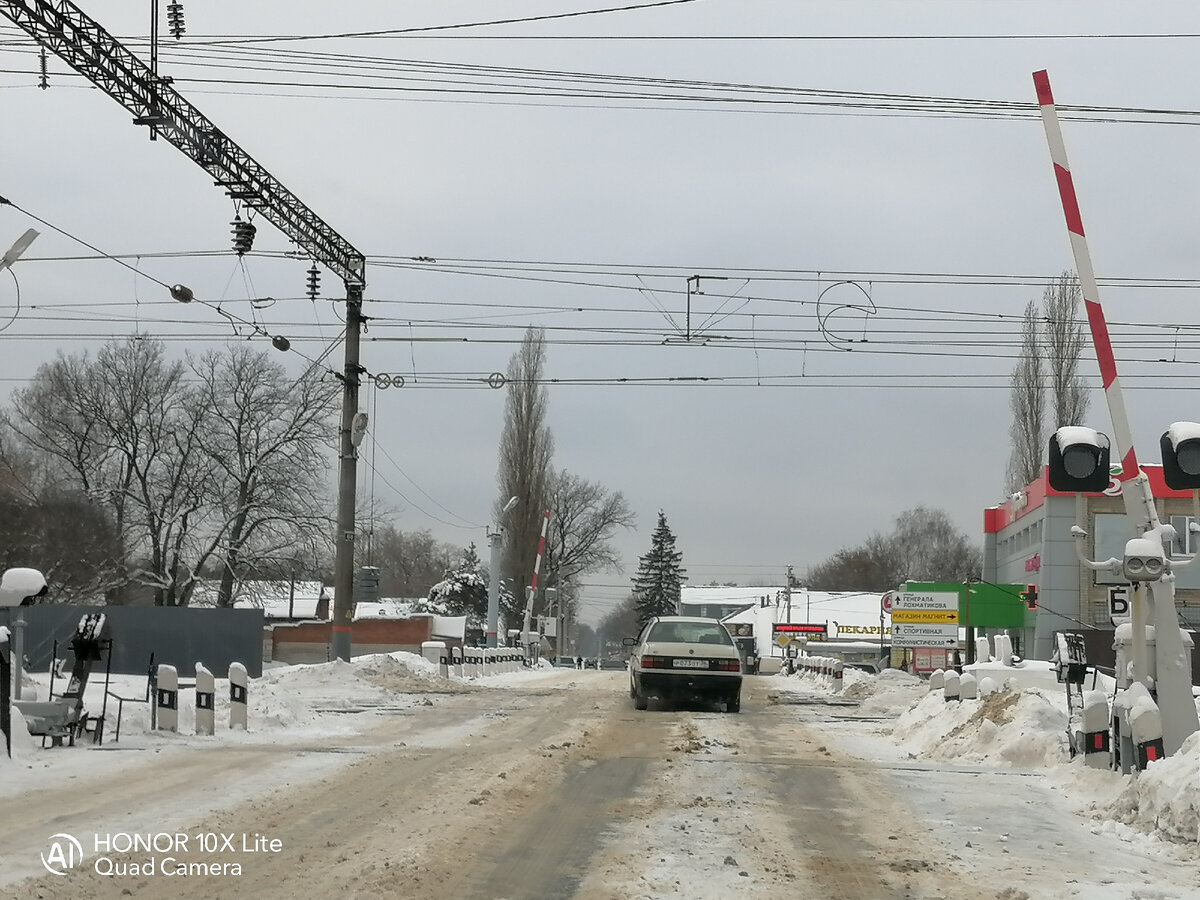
{"type": "Point", "coordinates": [734, 703]}
{"type": "Point", "coordinates": [640, 700]}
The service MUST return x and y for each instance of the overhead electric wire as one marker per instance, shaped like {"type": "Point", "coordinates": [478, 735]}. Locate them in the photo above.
{"type": "Point", "coordinates": [468, 522]}
{"type": "Point", "coordinates": [255, 328]}
{"type": "Point", "coordinates": [354, 72]}
{"type": "Point", "coordinates": [455, 32]}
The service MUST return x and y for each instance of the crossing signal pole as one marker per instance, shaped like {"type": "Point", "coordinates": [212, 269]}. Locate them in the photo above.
{"type": "Point", "coordinates": [63, 28]}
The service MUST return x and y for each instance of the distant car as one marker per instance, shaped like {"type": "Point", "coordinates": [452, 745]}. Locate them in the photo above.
{"type": "Point", "coordinates": [865, 665]}
{"type": "Point", "coordinates": [679, 658]}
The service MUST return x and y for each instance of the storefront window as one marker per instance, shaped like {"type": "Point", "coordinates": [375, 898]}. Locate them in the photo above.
{"type": "Point", "coordinates": [1112, 532]}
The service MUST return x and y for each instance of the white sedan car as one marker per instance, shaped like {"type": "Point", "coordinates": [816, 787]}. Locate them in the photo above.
{"type": "Point", "coordinates": [684, 658]}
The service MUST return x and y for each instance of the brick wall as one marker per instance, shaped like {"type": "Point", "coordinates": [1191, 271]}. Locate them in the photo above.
{"type": "Point", "coordinates": [309, 642]}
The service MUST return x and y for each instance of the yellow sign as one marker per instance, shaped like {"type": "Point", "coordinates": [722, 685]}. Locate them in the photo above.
{"type": "Point", "coordinates": [782, 639]}
{"type": "Point", "coordinates": [925, 616]}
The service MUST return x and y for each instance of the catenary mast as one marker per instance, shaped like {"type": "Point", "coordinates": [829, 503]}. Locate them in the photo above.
{"type": "Point", "coordinates": [85, 46]}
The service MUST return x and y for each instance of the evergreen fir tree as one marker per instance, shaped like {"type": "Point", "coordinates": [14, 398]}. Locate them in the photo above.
{"type": "Point", "coordinates": [462, 592]}
{"type": "Point", "coordinates": [660, 576]}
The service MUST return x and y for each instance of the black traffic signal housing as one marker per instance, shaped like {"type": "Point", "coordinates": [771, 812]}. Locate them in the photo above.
{"type": "Point", "coordinates": [1079, 459]}
{"type": "Point", "coordinates": [1180, 446]}
{"type": "Point", "coordinates": [1030, 595]}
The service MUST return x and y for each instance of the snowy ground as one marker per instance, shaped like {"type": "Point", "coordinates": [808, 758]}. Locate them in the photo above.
{"type": "Point", "coordinates": [1155, 815]}
{"type": "Point", "coordinates": [1152, 818]}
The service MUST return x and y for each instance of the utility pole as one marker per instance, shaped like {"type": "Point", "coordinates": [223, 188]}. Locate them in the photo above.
{"type": "Point", "coordinates": [788, 593]}
{"type": "Point", "coordinates": [495, 540]}
{"type": "Point", "coordinates": [89, 49]}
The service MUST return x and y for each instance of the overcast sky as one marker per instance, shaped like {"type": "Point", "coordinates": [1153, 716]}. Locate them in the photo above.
{"type": "Point", "coordinates": [837, 176]}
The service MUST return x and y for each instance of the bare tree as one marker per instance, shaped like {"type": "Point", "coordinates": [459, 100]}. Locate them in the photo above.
{"type": "Point", "coordinates": [265, 445]}
{"type": "Point", "coordinates": [526, 451]}
{"type": "Point", "coordinates": [923, 546]}
{"type": "Point", "coordinates": [927, 547]}
{"type": "Point", "coordinates": [411, 562]}
{"type": "Point", "coordinates": [1064, 342]}
{"type": "Point", "coordinates": [1028, 403]}
{"type": "Point", "coordinates": [225, 468]}
{"type": "Point", "coordinates": [584, 517]}
{"type": "Point", "coordinates": [71, 540]}
{"type": "Point", "coordinates": [125, 429]}
{"type": "Point", "coordinates": [622, 621]}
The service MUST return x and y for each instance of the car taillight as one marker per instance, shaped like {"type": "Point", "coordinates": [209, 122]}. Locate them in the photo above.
{"type": "Point", "coordinates": [728, 665]}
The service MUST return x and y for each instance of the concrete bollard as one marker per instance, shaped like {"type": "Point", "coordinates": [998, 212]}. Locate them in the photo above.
{"type": "Point", "coordinates": [950, 686]}
{"type": "Point", "coordinates": [5, 692]}
{"type": "Point", "coordinates": [456, 660]}
{"type": "Point", "coordinates": [1145, 723]}
{"type": "Point", "coordinates": [838, 675]}
{"type": "Point", "coordinates": [968, 687]}
{"type": "Point", "coordinates": [987, 685]}
{"type": "Point", "coordinates": [983, 649]}
{"type": "Point", "coordinates": [1004, 650]}
{"type": "Point", "coordinates": [166, 698]}
{"type": "Point", "coordinates": [206, 695]}
{"type": "Point", "coordinates": [433, 651]}
{"type": "Point", "coordinates": [238, 700]}
{"type": "Point", "coordinates": [1095, 736]}
{"type": "Point", "coordinates": [937, 679]}
{"type": "Point", "coordinates": [444, 666]}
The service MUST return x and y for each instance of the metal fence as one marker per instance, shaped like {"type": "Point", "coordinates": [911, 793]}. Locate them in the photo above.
{"type": "Point", "coordinates": [177, 636]}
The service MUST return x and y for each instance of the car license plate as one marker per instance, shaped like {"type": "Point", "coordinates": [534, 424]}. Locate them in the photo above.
{"type": "Point", "coordinates": [690, 663]}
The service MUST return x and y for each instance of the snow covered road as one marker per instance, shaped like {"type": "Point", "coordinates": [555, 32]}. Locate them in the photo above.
{"type": "Point", "coordinates": [377, 780]}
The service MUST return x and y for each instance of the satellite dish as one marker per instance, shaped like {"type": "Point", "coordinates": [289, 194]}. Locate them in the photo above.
{"type": "Point", "coordinates": [358, 428]}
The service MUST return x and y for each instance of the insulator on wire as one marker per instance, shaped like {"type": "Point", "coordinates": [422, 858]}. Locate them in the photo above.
{"type": "Point", "coordinates": [314, 282]}
{"type": "Point", "coordinates": [175, 20]}
{"type": "Point", "coordinates": [44, 78]}
{"type": "Point", "coordinates": [243, 235]}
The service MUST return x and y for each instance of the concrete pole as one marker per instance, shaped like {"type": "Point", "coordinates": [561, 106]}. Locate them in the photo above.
{"type": "Point", "coordinates": [343, 566]}
{"type": "Point", "coordinates": [788, 593]}
{"type": "Point", "coordinates": [495, 538]}
{"type": "Point", "coordinates": [18, 655]}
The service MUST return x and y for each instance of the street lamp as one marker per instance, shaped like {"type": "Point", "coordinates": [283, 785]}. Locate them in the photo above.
{"type": "Point", "coordinates": [14, 252]}
{"type": "Point", "coordinates": [495, 537]}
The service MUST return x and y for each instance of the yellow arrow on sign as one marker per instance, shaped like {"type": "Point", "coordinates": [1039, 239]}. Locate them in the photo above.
{"type": "Point", "coordinates": [925, 616]}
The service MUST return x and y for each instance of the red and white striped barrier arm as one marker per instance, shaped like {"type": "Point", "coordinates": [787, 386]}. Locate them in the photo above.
{"type": "Point", "coordinates": [1123, 434]}
{"type": "Point", "coordinates": [541, 549]}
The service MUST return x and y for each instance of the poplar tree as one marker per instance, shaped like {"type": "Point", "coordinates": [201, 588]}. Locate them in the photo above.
{"type": "Point", "coordinates": [526, 452]}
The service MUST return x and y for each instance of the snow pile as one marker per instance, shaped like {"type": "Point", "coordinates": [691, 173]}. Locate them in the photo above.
{"type": "Point", "coordinates": [24, 745]}
{"type": "Point", "coordinates": [1026, 728]}
{"type": "Point", "coordinates": [886, 693]}
{"type": "Point", "coordinates": [1165, 798]}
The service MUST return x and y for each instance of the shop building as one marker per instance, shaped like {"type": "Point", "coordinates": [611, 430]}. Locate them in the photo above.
{"type": "Point", "coordinates": [1027, 539]}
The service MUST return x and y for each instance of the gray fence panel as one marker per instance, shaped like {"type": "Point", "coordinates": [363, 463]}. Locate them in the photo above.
{"type": "Point", "coordinates": [177, 635]}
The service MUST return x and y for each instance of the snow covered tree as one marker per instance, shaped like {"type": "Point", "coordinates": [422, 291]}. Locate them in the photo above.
{"type": "Point", "coordinates": [463, 591]}
{"type": "Point", "coordinates": [659, 576]}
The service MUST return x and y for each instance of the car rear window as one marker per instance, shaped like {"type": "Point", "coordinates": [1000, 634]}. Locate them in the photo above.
{"type": "Point", "coordinates": [690, 633]}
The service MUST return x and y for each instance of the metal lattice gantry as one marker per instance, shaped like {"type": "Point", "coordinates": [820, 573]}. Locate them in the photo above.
{"type": "Point", "coordinates": [84, 45]}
